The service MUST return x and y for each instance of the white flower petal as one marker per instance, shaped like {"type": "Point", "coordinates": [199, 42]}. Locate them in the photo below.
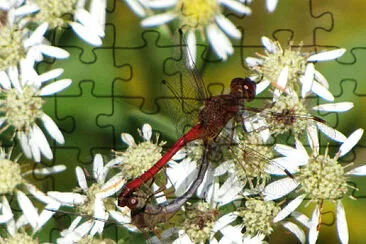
{"type": "Point", "coordinates": [128, 139]}
{"type": "Point", "coordinates": [233, 234]}
{"type": "Point", "coordinates": [307, 79]}
{"type": "Point", "coordinates": [112, 186]}
{"type": "Point", "coordinates": [351, 141]}
{"type": "Point", "coordinates": [41, 196]}
{"type": "Point", "coordinates": [54, 52]}
{"type": "Point", "coordinates": [49, 170]}
{"type": "Point", "coordinates": [14, 78]}
{"type": "Point", "coordinates": [24, 144]}
{"type": "Point", "coordinates": [236, 6]}
{"type": "Point", "coordinates": [80, 176]}
{"type": "Point", "coordinates": [55, 87]}
{"type": "Point", "coordinates": [4, 80]}
{"type": "Point", "coordinates": [160, 4]}
{"type": "Point", "coordinates": [136, 7]}
{"type": "Point", "coordinates": [301, 218]}
{"type": "Point", "coordinates": [47, 213]}
{"type": "Point", "coordinates": [159, 19]}
{"type": "Point", "coordinates": [321, 79]}
{"type": "Point", "coordinates": [100, 217]}
{"type": "Point", "coordinates": [52, 129]}
{"type": "Point", "coordinates": [359, 171]}
{"type": "Point", "coordinates": [191, 49]}
{"type": "Point", "coordinates": [279, 188]}
{"type": "Point", "coordinates": [89, 22]}
{"type": "Point", "coordinates": [331, 132]}
{"type": "Point", "coordinates": [98, 169]}
{"type": "Point", "coordinates": [313, 230]}
{"type": "Point", "coordinates": [147, 132]}
{"type": "Point", "coordinates": [224, 221]}
{"type": "Point", "coordinates": [280, 83]}
{"type": "Point", "coordinates": [227, 26]}
{"type": "Point", "coordinates": [334, 107]}
{"type": "Point", "coordinates": [28, 209]}
{"type": "Point", "coordinates": [322, 91]}
{"type": "Point", "coordinates": [261, 86]}
{"type": "Point", "coordinates": [299, 233]}
{"type": "Point", "coordinates": [85, 34]}
{"type": "Point", "coordinates": [328, 55]}
{"type": "Point", "coordinates": [342, 227]}
{"type": "Point", "coordinates": [49, 75]}
{"type": "Point", "coordinates": [312, 136]}
{"type": "Point", "coordinates": [269, 45]}
{"type": "Point", "coordinates": [37, 36]}
{"type": "Point", "coordinates": [6, 213]}
{"type": "Point", "coordinates": [40, 141]}
{"type": "Point", "coordinates": [286, 211]}
{"type": "Point", "coordinates": [299, 155]}
{"type": "Point", "coordinates": [219, 42]}
{"type": "Point", "coordinates": [253, 62]}
{"type": "Point", "coordinates": [121, 218]}
{"type": "Point", "coordinates": [271, 5]}
{"type": "Point", "coordinates": [68, 198]}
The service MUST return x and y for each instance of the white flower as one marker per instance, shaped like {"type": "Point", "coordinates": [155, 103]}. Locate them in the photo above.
{"type": "Point", "coordinates": [14, 180]}
{"type": "Point", "coordinates": [138, 158]}
{"type": "Point", "coordinates": [96, 199]}
{"type": "Point", "coordinates": [204, 16]}
{"type": "Point", "coordinates": [21, 110]}
{"type": "Point", "coordinates": [21, 47]}
{"type": "Point", "coordinates": [318, 178]}
{"type": "Point", "coordinates": [288, 69]}
{"type": "Point", "coordinates": [289, 113]}
{"type": "Point", "coordinates": [88, 25]}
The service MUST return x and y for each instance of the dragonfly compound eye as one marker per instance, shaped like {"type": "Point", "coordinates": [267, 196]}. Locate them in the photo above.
{"type": "Point", "coordinates": [132, 202]}
{"type": "Point", "coordinates": [245, 87]}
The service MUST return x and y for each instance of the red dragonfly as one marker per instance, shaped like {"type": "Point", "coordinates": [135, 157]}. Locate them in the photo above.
{"type": "Point", "coordinates": [216, 113]}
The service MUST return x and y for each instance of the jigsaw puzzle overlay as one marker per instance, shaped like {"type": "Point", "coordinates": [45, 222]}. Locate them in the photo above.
{"type": "Point", "coordinates": [117, 87]}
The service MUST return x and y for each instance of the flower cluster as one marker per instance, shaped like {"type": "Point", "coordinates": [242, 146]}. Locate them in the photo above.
{"type": "Point", "coordinates": [234, 184]}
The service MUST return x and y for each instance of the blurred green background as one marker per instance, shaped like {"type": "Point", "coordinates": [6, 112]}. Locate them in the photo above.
{"type": "Point", "coordinates": [115, 86]}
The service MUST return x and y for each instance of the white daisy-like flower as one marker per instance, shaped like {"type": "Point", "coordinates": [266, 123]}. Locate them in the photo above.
{"type": "Point", "coordinates": [291, 69]}
{"type": "Point", "coordinates": [88, 25]}
{"type": "Point", "coordinates": [14, 181]}
{"type": "Point", "coordinates": [289, 113]}
{"type": "Point", "coordinates": [21, 48]}
{"type": "Point", "coordinates": [17, 231]}
{"type": "Point", "coordinates": [204, 16]}
{"type": "Point", "coordinates": [138, 158]}
{"type": "Point", "coordinates": [95, 200]}
{"type": "Point", "coordinates": [78, 233]}
{"type": "Point", "coordinates": [318, 178]}
{"type": "Point", "coordinates": [256, 223]}
{"type": "Point", "coordinates": [21, 110]}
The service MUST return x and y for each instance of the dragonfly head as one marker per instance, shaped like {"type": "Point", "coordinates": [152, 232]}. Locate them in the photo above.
{"type": "Point", "coordinates": [243, 88]}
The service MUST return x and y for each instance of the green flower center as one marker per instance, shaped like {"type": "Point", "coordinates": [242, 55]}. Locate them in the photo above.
{"type": "Point", "coordinates": [257, 217]}
{"type": "Point", "coordinates": [139, 158]}
{"type": "Point", "coordinates": [11, 47]}
{"type": "Point", "coordinates": [199, 222]}
{"type": "Point", "coordinates": [249, 159]}
{"type": "Point", "coordinates": [22, 109]}
{"type": "Point", "coordinates": [19, 238]}
{"type": "Point", "coordinates": [323, 178]}
{"type": "Point", "coordinates": [54, 12]}
{"type": "Point", "coordinates": [198, 13]}
{"type": "Point", "coordinates": [10, 175]}
{"type": "Point", "coordinates": [273, 63]}
{"type": "Point", "coordinates": [288, 113]}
